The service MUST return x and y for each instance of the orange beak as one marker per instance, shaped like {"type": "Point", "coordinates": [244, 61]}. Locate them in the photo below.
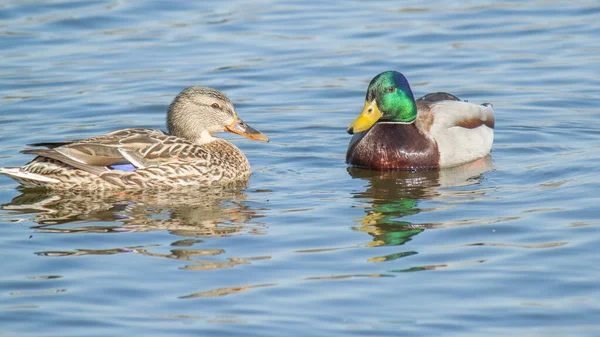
{"type": "Point", "coordinates": [238, 126]}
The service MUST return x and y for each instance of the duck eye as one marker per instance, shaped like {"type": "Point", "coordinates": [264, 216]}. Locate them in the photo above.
{"type": "Point", "coordinates": [215, 106]}
{"type": "Point", "coordinates": [391, 89]}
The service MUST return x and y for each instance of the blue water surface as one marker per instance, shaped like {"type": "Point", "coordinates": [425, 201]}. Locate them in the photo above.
{"type": "Point", "coordinates": [504, 247]}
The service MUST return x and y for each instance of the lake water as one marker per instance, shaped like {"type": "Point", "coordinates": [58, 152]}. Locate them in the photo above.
{"type": "Point", "coordinates": [506, 247]}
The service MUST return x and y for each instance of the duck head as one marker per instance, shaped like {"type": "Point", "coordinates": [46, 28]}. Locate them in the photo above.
{"type": "Point", "coordinates": [390, 99]}
{"type": "Point", "coordinates": [199, 112]}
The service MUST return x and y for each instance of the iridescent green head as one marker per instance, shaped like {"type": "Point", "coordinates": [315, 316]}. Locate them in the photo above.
{"type": "Point", "coordinates": [389, 99]}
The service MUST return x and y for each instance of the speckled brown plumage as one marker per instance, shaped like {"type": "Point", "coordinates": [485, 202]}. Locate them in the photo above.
{"type": "Point", "coordinates": [170, 161]}
{"type": "Point", "coordinates": [137, 158]}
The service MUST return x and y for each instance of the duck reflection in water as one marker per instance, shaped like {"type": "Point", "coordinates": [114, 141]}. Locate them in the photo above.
{"type": "Point", "coordinates": [189, 214]}
{"type": "Point", "coordinates": [392, 195]}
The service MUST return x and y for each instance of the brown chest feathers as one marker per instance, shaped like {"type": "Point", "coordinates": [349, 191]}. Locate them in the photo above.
{"type": "Point", "coordinates": [393, 146]}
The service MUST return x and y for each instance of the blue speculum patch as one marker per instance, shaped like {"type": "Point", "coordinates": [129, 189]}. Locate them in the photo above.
{"type": "Point", "coordinates": [122, 167]}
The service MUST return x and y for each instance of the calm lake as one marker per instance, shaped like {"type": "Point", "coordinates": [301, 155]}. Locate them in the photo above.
{"type": "Point", "coordinates": [310, 247]}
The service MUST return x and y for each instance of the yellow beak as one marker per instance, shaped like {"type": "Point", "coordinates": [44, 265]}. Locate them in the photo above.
{"type": "Point", "coordinates": [369, 116]}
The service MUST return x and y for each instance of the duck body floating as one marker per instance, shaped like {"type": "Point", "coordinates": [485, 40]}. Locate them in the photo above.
{"type": "Point", "coordinates": [188, 155]}
{"type": "Point", "coordinates": [438, 130]}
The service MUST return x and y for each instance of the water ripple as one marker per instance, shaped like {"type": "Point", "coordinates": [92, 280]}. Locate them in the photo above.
{"type": "Point", "coordinates": [504, 247]}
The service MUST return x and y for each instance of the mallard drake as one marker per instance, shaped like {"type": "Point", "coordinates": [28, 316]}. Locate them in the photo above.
{"type": "Point", "coordinates": [437, 130]}
{"type": "Point", "coordinates": [188, 155]}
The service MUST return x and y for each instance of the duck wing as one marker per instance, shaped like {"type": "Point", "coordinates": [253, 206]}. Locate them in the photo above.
{"type": "Point", "coordinates": [96, 154]}
{"type": "Point", "coordinates": [463, 131]}
{"type": "Point", "coordinates": [446, 110]}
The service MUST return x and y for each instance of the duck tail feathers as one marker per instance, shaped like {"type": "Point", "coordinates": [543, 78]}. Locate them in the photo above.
{"type": "Point", "coordinates": [27, 178]}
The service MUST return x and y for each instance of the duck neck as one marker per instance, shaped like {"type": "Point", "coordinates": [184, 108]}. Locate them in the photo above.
{"type": "Point", "coordinates": [204, 137]}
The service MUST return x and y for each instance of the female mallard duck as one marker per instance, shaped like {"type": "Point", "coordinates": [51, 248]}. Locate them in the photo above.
{"type": "Point", "coordinates": [438, 130]}
{"type": "Point", "coordinates": [188, 155]}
